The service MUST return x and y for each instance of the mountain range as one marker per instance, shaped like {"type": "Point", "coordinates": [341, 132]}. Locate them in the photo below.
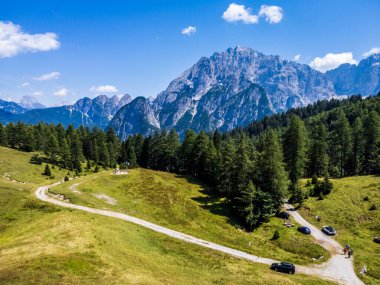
{"type": "Point", "coordinates": [224, 91]}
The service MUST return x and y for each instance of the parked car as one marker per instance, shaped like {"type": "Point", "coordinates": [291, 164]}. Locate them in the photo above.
{"type": "Point", "coordinates": [376, 239]}
{"type": "Point", "coordinates": [283, 215]}
{"type": "Point", "coordinates": [328, 230]}
{"type": "Point", "coordinates": [304, 230]}
{"type": "Point", "coordinates": [285, 267]}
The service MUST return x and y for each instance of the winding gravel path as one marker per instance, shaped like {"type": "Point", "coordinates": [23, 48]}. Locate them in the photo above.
{"type": "Point", "coordinates": [337, 268]}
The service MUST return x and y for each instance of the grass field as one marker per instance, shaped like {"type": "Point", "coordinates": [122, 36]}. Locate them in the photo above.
{"type": "Point", "coordinates": [347, 209]}
{"type": "Point", "coordinates": [183, 205]}
{"type": "Point", "coordinates": [44, 244]}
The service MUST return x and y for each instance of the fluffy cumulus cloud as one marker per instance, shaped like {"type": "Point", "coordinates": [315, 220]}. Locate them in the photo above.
{"type": "Point", "coordinates": [371, 52]}
{"type": "Point", "coordinates": [272, 14]}
{"type": "Point", "coordinates": [332, 60]}
{"type": "Point", "coordinates": [189, 31]}
{"type": "Point", "coordinates": [236, 13]}
{"type": "Point", "coordinates": [14, 41]}
{"type": "Point", "coordinates": [104, 89]}
{"type": "Point", "coordinates": [48, 76]}
{"type": "Point", "coordinates": [61, 92]}
{"type": "Point", "coordinates": [25, 84]}
{"type": "Point", "coordinates": [297, 57]}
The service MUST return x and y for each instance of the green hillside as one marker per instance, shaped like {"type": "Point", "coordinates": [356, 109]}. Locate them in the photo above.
{"type": "Point", "coordinates": [353, 208]}
{"type": "Point", "coordinates": [44, 244]}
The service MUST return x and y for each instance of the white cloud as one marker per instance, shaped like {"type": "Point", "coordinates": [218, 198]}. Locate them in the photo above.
{"type": "Point", "coordinates": [48, 76]}
{"type": "Point", "coordinates": [297, 57]}
{"type": "Point", "coordinates": [332, 60]}
{"type": "Point", "coordinates": [104, 89]}
{"type": "Point", "coordinates": [38, 93]}
{"type": "Point", "coordinates": [236, 13]}
{"type": "Point", "coordinates": [272, 14]}
{"type": "Point", "coordinates": [189, 31]}
{"type": "Point", "coordinates": [14, 41]}
{"type": "Point", "coordinates": [371, 52]}
{"type": "Point", "coordinates": [25, 84]}
{"type": "Point", "coordinates": [61, 92]}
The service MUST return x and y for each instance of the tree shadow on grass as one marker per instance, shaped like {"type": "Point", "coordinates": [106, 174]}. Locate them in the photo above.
{"type": "Point", "coordinates": [213, 202]}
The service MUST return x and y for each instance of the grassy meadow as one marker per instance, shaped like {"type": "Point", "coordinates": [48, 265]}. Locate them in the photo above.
{"type": "Point", "coordinates": [353, 208]}
{"type": "Point", "coordinates": [45, 244]}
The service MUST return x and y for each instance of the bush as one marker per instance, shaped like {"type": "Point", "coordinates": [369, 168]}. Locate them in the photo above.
{"type": "Point", "coordinates": [36, 159]}
{"type": "Point", "coordinates": [96, 169]}
{"type": "Point", "coordinates": [47, 171]}
{"type": "Point", "coordinates": [66, 178]}
{"type": "Point", "coordinates": [321, 196]}
{"type": "Point", "coordinates": [366, 199]}
{"type": "Point", "coordinates": [276, 235]}
{"type": "Point", "coordinates": [373, 207]}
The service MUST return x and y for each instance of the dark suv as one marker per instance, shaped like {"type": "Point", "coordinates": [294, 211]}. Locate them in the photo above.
{"type": "Point", "coordinates": [285, 267]}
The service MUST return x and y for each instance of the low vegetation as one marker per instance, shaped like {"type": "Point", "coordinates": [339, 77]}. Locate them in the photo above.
{"type": "Point", "coordinates": [45, 244]}
{"type": "Point", "coordinates": [348, 209]}
{"type": "Point", "coordinates": [181, 204]}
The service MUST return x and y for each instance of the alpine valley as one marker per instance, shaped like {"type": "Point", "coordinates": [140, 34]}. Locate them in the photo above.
{"type": "Point", "coordinates": [224, 91]}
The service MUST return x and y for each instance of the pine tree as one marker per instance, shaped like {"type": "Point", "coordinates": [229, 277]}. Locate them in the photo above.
{"type": "Point", "coordinates": [76, 153]}
{"type": "Point", "coordinates": [65, 154]}
{"type": "Point", "coordinates": [3, 136]}
{"type": "Point", "coordinates": [358, 141]}
{"type": "Point", "coordinates": [52, 148]}
{"type": "Point", "coordinates": [186, 151]}
{"type": "Point", "coordinates": [172, 148]}
{"type": "Point", "coordinates": [371, 162]}
{"type": "Point", "coordinates": [199, 155]}
{"type": "Point", "coordinates": [47, 171]}
{"type": "Point", "coordinates": [318, 154]}
{"type": "Point", "coordinates": [271, 176]}
{"type": "Point", "coordinates": [225, 168]}
{"type": "Point", "coordinates": [294, 145]}
{"type": "Point", "coordinates": [341, 145]}
{"type": "Point", "coordinates": [130, 153]}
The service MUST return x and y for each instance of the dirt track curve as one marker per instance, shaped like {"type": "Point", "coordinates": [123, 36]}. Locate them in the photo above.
{"type": "Point", "coordinates": [338, 268]}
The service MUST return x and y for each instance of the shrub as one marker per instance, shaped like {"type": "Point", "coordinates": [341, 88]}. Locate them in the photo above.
{"type": "Point", "coordinates": [366, 199]}
{"type": "Point", "coordinates": [66, 178]}
{"type": "Point", "coordinates": [96, 169]}
{"type": "Point", "coordinates": [373, 207]}
{"type": "Point", "coordinates": [36, 159]}
{"type": "Point", "coordinates": [47, 171]}
{"type": "Point", "coordinates": [276, 235]}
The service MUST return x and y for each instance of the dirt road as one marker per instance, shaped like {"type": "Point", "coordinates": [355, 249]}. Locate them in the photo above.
{"type": "Point", "coordinates": [337, 268]}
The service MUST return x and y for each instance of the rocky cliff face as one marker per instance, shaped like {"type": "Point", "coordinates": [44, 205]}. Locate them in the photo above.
{"type": "Point", "coordinates": [101, 109]}
{"type": "Point", "coordinates": [237, 86]}
{"type": "Point", "coordinates": [364, 78]}
{"type": "Point", "coordinates": [135, 117]}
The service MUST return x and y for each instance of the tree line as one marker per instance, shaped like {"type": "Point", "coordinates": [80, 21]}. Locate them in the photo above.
{"type": "Point", "coordinates": [254, 168]}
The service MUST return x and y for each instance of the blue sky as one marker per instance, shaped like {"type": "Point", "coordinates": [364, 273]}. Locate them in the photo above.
{"type": "Point", "coordinates": [137, 47]}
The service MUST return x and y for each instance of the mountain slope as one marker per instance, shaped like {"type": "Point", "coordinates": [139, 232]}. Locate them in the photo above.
{"type": "Point", "coordinates": [30, 103]}
{"type": "Point", "coordinates": [214, 85]}
{"type": "Point", "coordinates": [135, 117]}
{"type": "Point", "coordinates": [363, 78]}
{"type": "Point", "coordinates": [11, 107]}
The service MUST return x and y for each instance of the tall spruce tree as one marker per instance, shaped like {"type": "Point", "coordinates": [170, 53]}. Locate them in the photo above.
{"type": "Point", "coordinates": [357, 155]}
{"type": "Point", "coordinates": [371, 162]}
{"type": "Point", "coordinates": [295, 148]}
{"type": "Point", "coordinates": [271, 176]}
{"type": "Point", "coordinates": [318, 153]}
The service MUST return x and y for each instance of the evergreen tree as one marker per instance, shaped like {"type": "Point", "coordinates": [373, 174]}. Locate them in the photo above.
{"type": "Point", "coordinates": [52, 148]}
{"type": "Point", "coordinates": [357, 147]}
{"type": "Point", "coordinates": [371, 162]}
{"type": "Point", "coordinates": [225, 168]}
{"type": "Point", "coordinates": [3, 136]}
{"type": "Point", "coordinates": [294, 145]}
{"type": "Point", "coordinates": [341, 143]}
{"type": "Point", "coordinates": [186, 151]}
{"type": "Point", "coordinates": [47, 170]}
{"type": "Point", "coordinates": [271, 175]}
{"type": "Point", "coordinates": [318, 153]}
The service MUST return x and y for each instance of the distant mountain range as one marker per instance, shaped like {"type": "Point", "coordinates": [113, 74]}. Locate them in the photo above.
{"type": "Point", "coordinates": [228, 89]}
